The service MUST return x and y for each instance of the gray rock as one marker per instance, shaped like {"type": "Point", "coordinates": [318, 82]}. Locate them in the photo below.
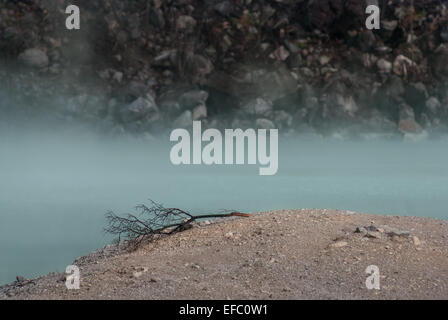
{"type": "Point", "coordinates": [384, 66]}
{"type": "Point", "coordinates": [402, 65]}
{"type": "Point", "coordinates": [139, 109]}
{"type": "Point", "coordinates": [118, 76]}
{"type": "Point", "coordinates": [373, 234]}
{"type": "Point", "coordinates": [198, 66]}
{"type": "Point", "coordinates": [164, 56]}
{"type": "Point", "coordinates": [394, 87]}
{"type": "Point", "coordinates": [258, 107]}
{"type": "Point", "coordinates": [361, 230]}
{"type": "Point", "coordinates": [199, 112]}
{"type": "Point", "coordinates": [280, 54]}
{"type": "Point", "coordinates": [74, 105]}
{"type": "Point", "coordinates": [406, 112]}
{"type": "Point", "coordinates": [185, 24]}
{"type": "Point", "coordinates": [134, 90]}
{"type": "Point", "coordinates": [264, 124]}
{"type": "Point", "coordinates": [170, 107]}
{"type": "Point", "coordinates": [439, 61]}
{"type": "Point", "coordinates": [397, 233]}
{"type": "Point", "coordinates": [433, 105]}
{"type": "Point", "coordinates": [295, 60]}
{"type": "Point", "coordinates": [323, 60]}
{"type": "Point", "coordinates": [34, 58]}
{"type": "Point", "coordinates": [185, 120]}
{"type": "Point", "coordinates": [389, 25]}
{"type": "Point", "coordinates": [409, 126]}
{"type": "Point", "coordinates": [157, 18]}
{"type": "Point", "coordinates": [283, 119]}
{"type": "Point", "coordinates": [366, 40]}
{"type": "Point", "coordinates": [224, 8]}
{"type": "Point", "coordinates": [191, 99]}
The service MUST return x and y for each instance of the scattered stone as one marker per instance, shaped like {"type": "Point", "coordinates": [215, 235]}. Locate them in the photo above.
{"type": "Point", "coordinates": [397, 233]}
{"type": "Point", "coordinates": [416, 241]}
{"type": "Point", "coordinates": [361, 230]}
{"type": "Point", "coordinates": [229, 235]}
{"type": "Point", "coordinates": [339, 244]}
{"type": "Point", "coordinates": [373, 234]}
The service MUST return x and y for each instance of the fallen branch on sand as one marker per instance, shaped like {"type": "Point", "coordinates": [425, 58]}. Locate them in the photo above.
{"type": "Point", "coordinates": [154, 221]}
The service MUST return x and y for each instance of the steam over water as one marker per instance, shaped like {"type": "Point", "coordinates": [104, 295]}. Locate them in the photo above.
{"type": "Point", "coordinates": [55, 187]}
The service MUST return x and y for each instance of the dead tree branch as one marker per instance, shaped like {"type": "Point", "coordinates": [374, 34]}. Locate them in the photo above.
{"type": "Point", "coordinates": [154, 221]}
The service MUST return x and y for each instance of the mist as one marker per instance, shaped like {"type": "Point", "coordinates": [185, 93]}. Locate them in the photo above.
{"type": "Point", "coordinates": [56, 184]}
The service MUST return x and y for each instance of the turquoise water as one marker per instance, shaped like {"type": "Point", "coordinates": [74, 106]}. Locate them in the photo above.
{"type": "Point", "coordinates": [55, 188]}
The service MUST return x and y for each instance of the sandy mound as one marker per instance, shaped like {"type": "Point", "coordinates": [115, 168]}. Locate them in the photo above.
{"type": "Point", "coordinates": [294, 254]}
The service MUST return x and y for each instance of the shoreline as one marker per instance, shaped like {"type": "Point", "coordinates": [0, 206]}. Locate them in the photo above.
{"type": "Point", "coordinates": [286, 254]}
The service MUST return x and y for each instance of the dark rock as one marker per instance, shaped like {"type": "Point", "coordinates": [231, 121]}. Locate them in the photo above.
{"type": "Point", "coordinates": [439, 61]}
{"type": "Point", "coordinates": [157, 18]}
{"type": "Point", "coordinates": [416, 96]}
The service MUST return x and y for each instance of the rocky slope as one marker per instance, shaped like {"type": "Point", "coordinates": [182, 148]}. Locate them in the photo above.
{"type": "Point", "coordinates": [300, 66]}
{"type": "Point", "coordinates": [290, 254]}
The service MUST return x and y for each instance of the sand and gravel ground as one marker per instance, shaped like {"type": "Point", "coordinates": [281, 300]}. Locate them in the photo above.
{"type": "Point", "coordinates": [290, 254]}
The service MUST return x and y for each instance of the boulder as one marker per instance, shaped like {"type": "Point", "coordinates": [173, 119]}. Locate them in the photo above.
{"type": "Point", "coordinates": [34, 58]}
{"type": "Point", "coordinates": [184, 120]}
{"type": "Point", "coordinates": [142, 108]}
{"type": "Point", "coordinates": [258, 107]}
{"type": "Point", "coordinates": [191, 99]}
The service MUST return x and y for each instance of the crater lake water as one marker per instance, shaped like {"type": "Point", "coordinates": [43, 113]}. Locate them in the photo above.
{"type": "Point", "coordinates": [56, 187]}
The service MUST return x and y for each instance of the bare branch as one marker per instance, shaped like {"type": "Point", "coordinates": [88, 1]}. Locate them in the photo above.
{"type": "Point", "coordinates": [153, 221]}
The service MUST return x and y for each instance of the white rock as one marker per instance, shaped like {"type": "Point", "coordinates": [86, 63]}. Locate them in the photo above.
{"type": "Point", "coordinates": [34, 58]}
{"type": "Point", "coordinates": [384, 66]}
